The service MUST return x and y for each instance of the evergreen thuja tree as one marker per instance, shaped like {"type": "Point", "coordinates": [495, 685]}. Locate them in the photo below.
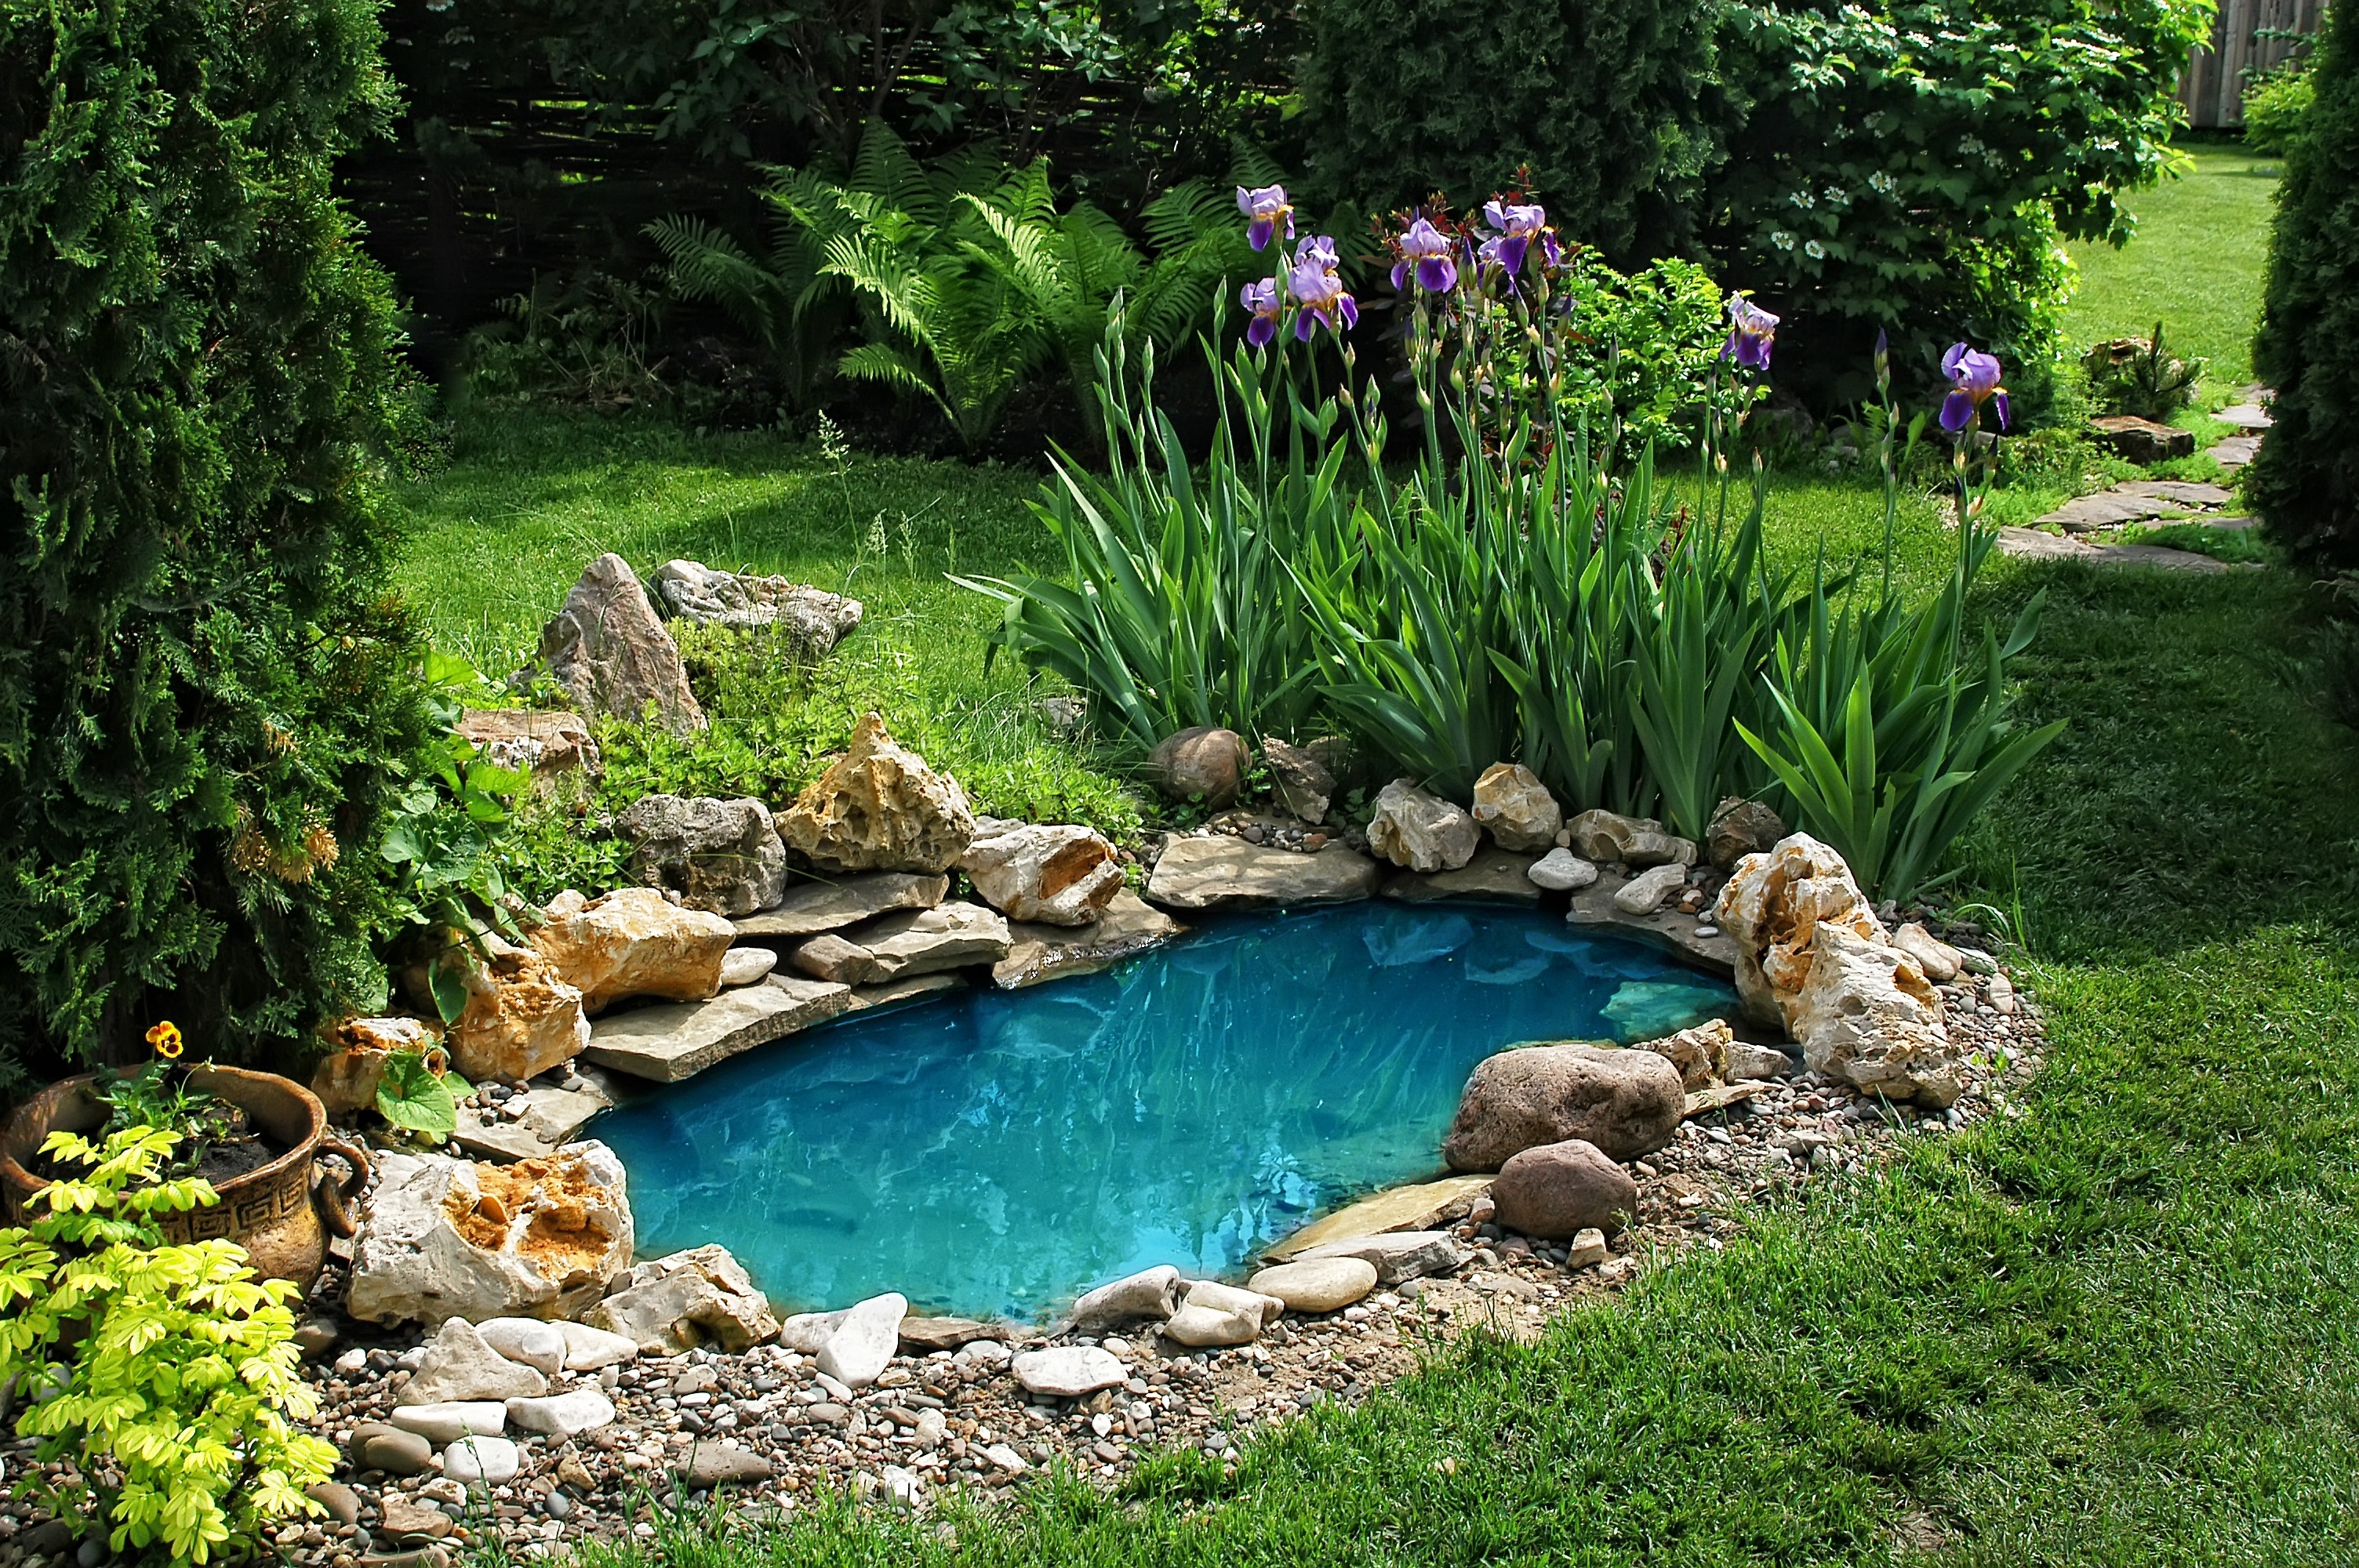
{"type": "Point", "coordinates": [2305, 482]}
{"type": "Point", "coordinates": [205, 697]}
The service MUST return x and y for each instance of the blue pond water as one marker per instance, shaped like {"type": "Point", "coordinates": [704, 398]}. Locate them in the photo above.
{"type": "Point", "coordinates": [996, 1153]}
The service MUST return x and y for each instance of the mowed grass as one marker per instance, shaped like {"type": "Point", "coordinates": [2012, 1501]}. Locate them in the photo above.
{"type": "Point", "coordinates": [2196, 262]}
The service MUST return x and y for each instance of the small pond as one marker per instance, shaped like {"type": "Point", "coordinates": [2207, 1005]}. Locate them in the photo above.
{"type": "Point", "coordinates": [995, 1153]}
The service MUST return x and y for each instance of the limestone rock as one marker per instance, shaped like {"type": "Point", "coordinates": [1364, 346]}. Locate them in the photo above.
{"type": "Point", "coordinates": [606, 648]}
{"type": "Point", "coordinates": [1304, 786]}
{"type": "Point", "coordinates": [1561, 870]}
{"type": "Point", "coordinates": [1418, 1207]}
{"type": "Point", "coordinates": [814, 907]}
{"type": "Point", "coordinates": [521, 1017]}
{"type": "Point", "coordinates": [442, 1238]}
{"type": "Point", "coordinates": [347, 1077]}
{"type": "Point", "coordinates": [547, 743]}
{"type": "Point", "coordinates": [1740, 828]}
{"type": "Point", "coordinates": [1588, 1249]}
{"type": "Point", "coordinates": [1206, 764]}
{"type": "Point", "coordinates": [1516, 809]}
{"type": "Point", "coordinates": [1701, 1054]}
{"type": "Point", "coordinates": [1557, 1190]}
{"type": "Point", "coordinates": [1772, 907]}
{"type": "Point", "coordinates": [1868, 1016]}
{"type": "Point", "coordinates": [946, 1333]}
{"type": "Point", "coordinates": [713, 1464]}
{"type": "Point", "coordinates": [588, 1349]}
{"type": "Point", "coordinates": [808, 1331]}
{"type": "Point", "coordinates": [865, 1343]}
{"type": "Point", "coordinates": [1129, 925]}
{"type": "Point", "coordinates": [461, 1367]}
{"type": "Point", "coordinates": [829, 956]}
{"type": "Point", "coordinates": [1224, 870]}
{"type": "Point", "coordinates": [1056, 875]}
{"type": "Point", "coordinates": [1650, 888]}
{"type": "Point", "coordinates": [490, 1461]}
{"type": "Point", "coordinates": [1252, 1304]}
{"type": "Point", "coordinates": [633, 942]}
{"type": "Point", "coordinates": [1421, 831]}
{"type": "Point", "coordinates": [1152, 1292]}
{"type": "Point", "coordinates": [449, 1420]}
{"type": "Point", "coordinates": [1939, 961]}
{"type": "Point", "coordinates": [1493, 874]}
{"type": "Point", "coordinates": [567, 1414]}
{"type": "Point", "coordinates": [925, 941]}
{"type": "Point", "coordinates": [1748, 1063]}
{"type": "Point", "coordinates": [696, 593]}
{"type": "Point", "coordinates": [1628, 1103]}
{"type": "Point", "coordinates": [745, 965]}
{"type": "Point", "coordinates": [1206, 1327]}
{"type": "Point", "coordinates": [528, 1341]}
{"type": "Point", "coordinates": [1601, 835]}
{"type": "Point", "coordinates": [1320, 1284]}
{"type": "Point", "coordinates": [1396, 1255]}
{"type": "Point", "coordinates": [680, 1040]}
{"type": "Point", "coordinates": [1069, 1371]}
{"type": "Point", "coordinates": [720, 856]}
{"type": "Point", "coordinates": [400, 1520]}
{"type": "Point", "coordinates": [692, 1298]}
{"type": "Point", "coordinates": [879, 808]}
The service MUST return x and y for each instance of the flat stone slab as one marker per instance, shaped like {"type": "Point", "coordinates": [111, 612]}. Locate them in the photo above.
{"type": "Point", "coordinates": [2234, 452]}
{"type": "Point", "coordinates": [2180, 491]}
{"type": "Point", "coordinates": [1419, 1207]}
{"type": "Point", "coordinates": [810, 908]}
{"type": "Point", "coordinates": [2110, 509]}
{"type": "Point", "coordinates": [1207, 873]}
{"type": "Point", "coordinates": [679, 1041]}
{"type": "Point", "coordinates": [2246, 416]}
{"type": "Point", "coordinates": [1492, 872]}
{"type": "Point", "coordinates": [2031, 544]}
{"type": "Point", "coordinates": [551, 1118]}
{"type": "Point", "coordinates": [2161, 555]}
{"type": "Point", "coordinates": [910, 988]}
{"type": "Point", "coordinates": [1593, 906]}
{"type": "Point", "coordinates": [1719, 1097]}
{"type": "Point", "coordinates": [1128, 926]}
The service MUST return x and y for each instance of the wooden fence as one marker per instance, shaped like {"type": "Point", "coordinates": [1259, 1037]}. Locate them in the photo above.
{"type": "Point", "coordinates": [2245, 38]}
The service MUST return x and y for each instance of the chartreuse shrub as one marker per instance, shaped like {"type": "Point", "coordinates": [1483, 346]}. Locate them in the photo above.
{"type": "Point", "coordinates": [2305, 482]}
{"type": "Point", "coordinates": [203, 698]}
{"type": "Point", "coordinates": [166, 1373]}
{"type": "Point", "coordinates": [1523, 593]}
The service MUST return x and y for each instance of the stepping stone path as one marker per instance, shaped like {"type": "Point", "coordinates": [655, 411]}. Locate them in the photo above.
{"type": "Point", "coordinates": [2085, 520]}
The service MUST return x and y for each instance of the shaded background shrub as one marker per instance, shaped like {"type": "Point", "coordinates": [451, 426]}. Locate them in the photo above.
{"type": "Point", "coordinates": [201, 694]}
{"type": "Point", "coordinates": [2305, 482]}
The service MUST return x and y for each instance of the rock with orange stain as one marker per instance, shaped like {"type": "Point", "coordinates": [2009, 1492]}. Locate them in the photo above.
{"type": "Point", "coordinates": [442, 1238]}
{"type": "Point", "coordinates": [522, 1017]}
{"type": "Point", "coordinates": [346, 1080]}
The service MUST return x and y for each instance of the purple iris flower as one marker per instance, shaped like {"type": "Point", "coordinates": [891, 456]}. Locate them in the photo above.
{"type": "Point", "coordinates": [1752, 333]}
{"type": "Point", "coordinates": [1319, 291]}
{"type": "Point", "coordinates": [1261, 298]}
{"type": "Point", "coordinates": [1264, 206]}
{"type": "Point", "coordinates": [1424, 249]}
{"type": "Point", "coordinates": [1516, 222]}
{"type": "Point", "coordinates": [1976, 374]}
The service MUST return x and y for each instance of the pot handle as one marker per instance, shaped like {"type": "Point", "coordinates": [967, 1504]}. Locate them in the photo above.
{"type": "Point", "coordinates": [332, 1197]}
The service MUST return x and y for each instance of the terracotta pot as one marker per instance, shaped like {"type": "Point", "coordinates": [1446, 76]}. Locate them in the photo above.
{"type": "Point", "coordinates": [281, 1214]}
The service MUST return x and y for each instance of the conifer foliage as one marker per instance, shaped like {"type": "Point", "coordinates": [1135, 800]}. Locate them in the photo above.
{"type": "Point", "coordinates": [203, 701]}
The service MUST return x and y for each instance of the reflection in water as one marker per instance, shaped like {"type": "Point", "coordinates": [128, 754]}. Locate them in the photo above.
{"type": "Point", "coordinates": [998, 1152]}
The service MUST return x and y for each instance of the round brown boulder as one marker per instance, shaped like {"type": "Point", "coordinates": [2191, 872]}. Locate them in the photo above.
{"type": "Point", "coordinates": [1206, 764]}
{"type": "Point", "coordinates": [1560, 1190]}
{"type": "Point", "coordinates": [1628, 1103]}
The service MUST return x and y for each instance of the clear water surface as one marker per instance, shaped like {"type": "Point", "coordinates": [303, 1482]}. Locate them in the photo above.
{"type": "Point", "coordinates": [996, 1153]}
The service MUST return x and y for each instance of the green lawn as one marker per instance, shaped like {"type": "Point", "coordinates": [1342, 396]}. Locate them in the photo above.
{"type": "Point", "coordinates": [2196, 262]}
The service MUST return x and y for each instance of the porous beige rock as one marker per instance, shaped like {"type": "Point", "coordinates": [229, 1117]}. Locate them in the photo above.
{"type": "Point", "coordinates": [460, 1367]}
{"type": "Point", "coordinates": [1628, 1103]}
{"type": "Point", "coordinates": [719, 856]}
{"type": "Point", "coordinates": [1206, 764]}
{"type": "Point", "coordinates": [1060, 874]}
{"type": "Point", "coordinates": [687, 1299]}
{"type": "Point", "coordinates": [879, 808]}
{"type": "Point", "coordinates": [633, 942]}
{"type": "Point", "coordinates": [521, 1017]}
{"type": "Point", "coordinates": [815, 619]}
{"type": "Point", "coordinates": [606, 648]}
{"type": "Point", "coordinates": [442, 1238]}
{"type": "Point", "coordinates": [347, 1076]}
{"type": "Point", "coordinates": [1868, 1016]}
{"type": "Point", "coordinates": [1516, 809]}
{"type": "Point", "coordinates": [1421, 830]}
{"type": "Point", "coordinates": [1701, 1054]}
{"type": "Point", "coordinates": [1772, 907]}
{"type": "Point", "coordinates": [1601, 835]}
